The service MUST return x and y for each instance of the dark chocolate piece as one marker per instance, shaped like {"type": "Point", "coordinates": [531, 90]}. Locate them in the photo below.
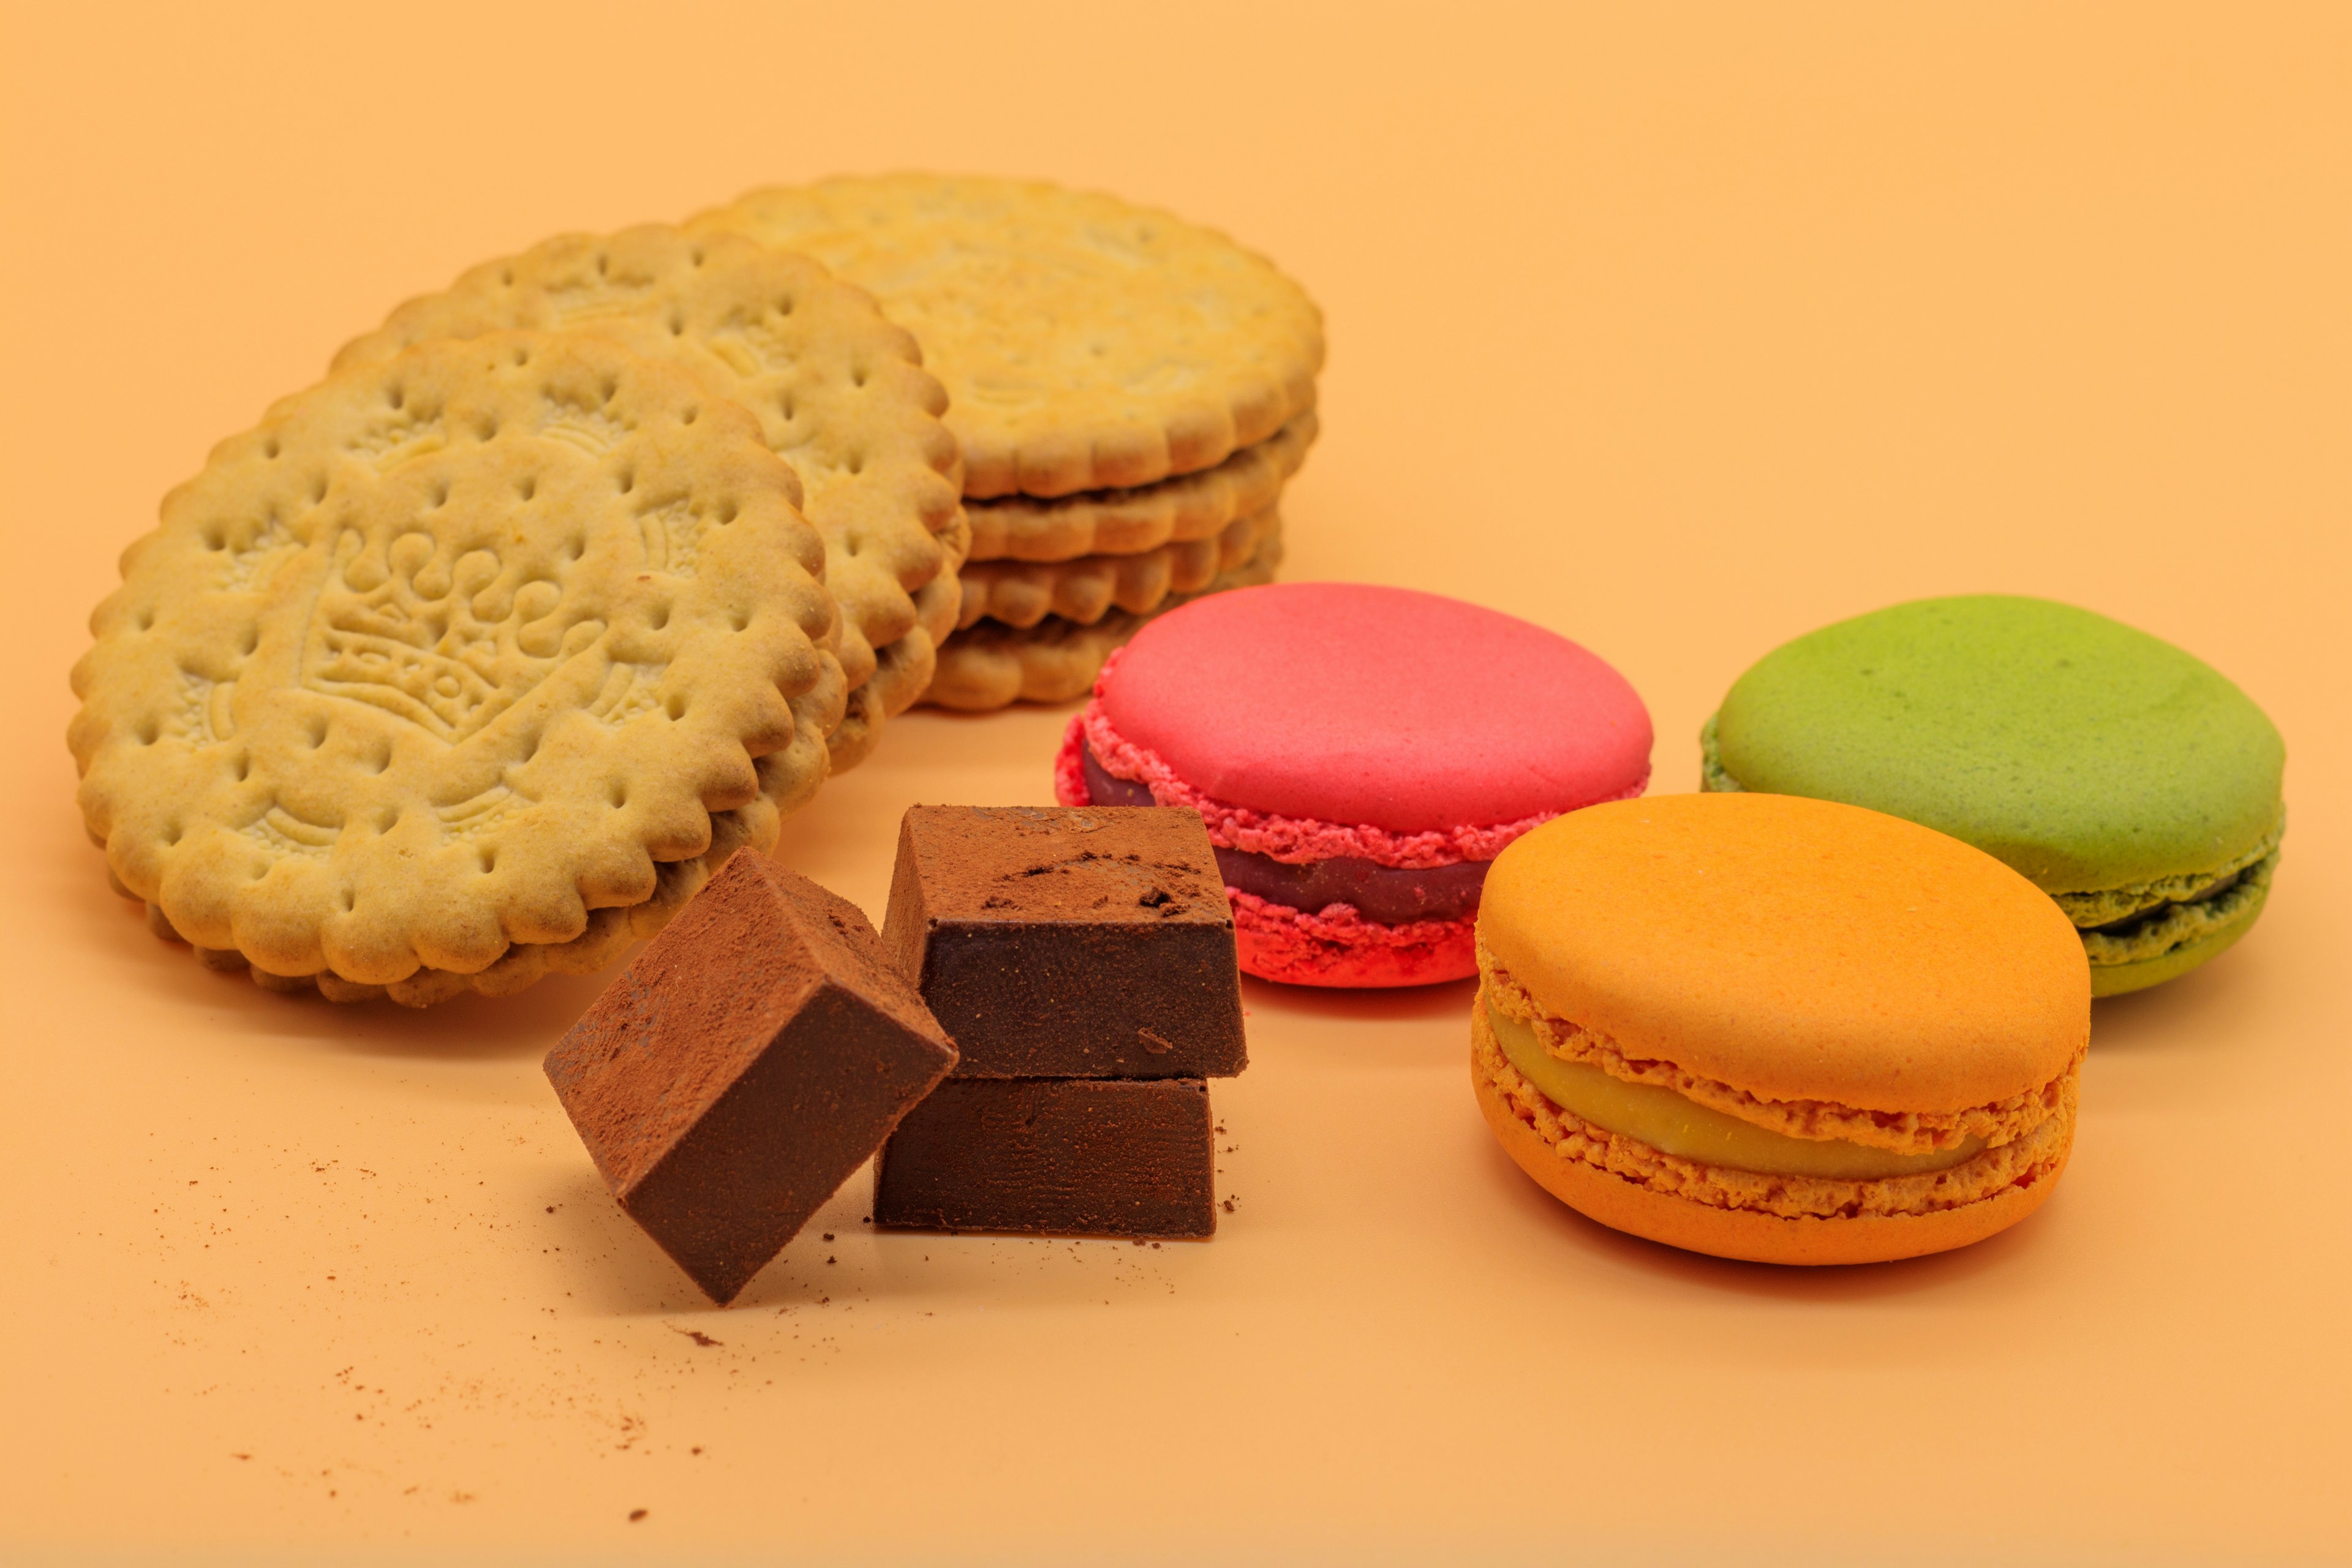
{"type": "Point", "coordinates": [1067, 1156]}
{"type": "Point", "coordinates": [1060, 943]}
{"type": "Point", "coordinates": [754, 1054]}
{"type": "Point", "coordinates": [1391, 895]}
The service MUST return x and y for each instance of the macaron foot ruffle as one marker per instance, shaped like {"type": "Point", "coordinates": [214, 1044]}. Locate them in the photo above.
{"type": "Point", "coordinates": [1069, 765]}
{"type": "Point", "coordinates": [1336, 945]}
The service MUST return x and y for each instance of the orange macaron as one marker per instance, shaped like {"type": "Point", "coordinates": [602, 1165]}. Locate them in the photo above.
{"type": "Point", "coordinates": [1776, 1028]}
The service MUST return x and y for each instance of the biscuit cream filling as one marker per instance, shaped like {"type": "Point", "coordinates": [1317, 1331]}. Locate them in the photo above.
{"type": "Point", "coordinates": [2129, 925]}
{"type": "Point", "coordinates": [1675, 1124]}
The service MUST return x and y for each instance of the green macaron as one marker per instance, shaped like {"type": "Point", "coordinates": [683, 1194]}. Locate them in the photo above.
{"type": "Point", "coordinates": [2129, 781]}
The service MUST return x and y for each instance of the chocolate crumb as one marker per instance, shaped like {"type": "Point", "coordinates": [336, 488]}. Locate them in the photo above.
{"type": "Point", "coordinates": [635, 1514]}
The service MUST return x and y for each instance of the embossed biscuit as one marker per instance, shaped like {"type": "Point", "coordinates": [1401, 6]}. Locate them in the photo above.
{"type": "Point", "coordinates": [451, 655]}
{"type": "Point", "coordinates": [1124, 522]}
{"type": "Point", "coordinates": [1085, 342]}
{"type": "Point", "coordinates": [840, 392]}
{"type": "Point", "coordinates": [1024, 592]}
{"type": "Point", "coordinates": [609, 931]}
{"type": "Point", "coordinates": [991, 665]}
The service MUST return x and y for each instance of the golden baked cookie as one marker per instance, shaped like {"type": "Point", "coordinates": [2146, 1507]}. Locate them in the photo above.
{"type": "Point", "coordinates": [840, 392]}
{"type": "Point", "coordinates": [456, 659]}
{"type": "Point", "coordinates": [991, 665]}
{"type": "Point", "coordinates": [1124, 522]}
{"type": "Point", "coordinates": [1024, 592]}
{"type": "Point", "coordinates": [1086, 343]}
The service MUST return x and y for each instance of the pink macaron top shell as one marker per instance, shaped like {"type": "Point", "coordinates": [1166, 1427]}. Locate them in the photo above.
{"type": "Point", "coordinates": [1273, 833]}
{"type": "Point", "coordinates": [1382, 707]}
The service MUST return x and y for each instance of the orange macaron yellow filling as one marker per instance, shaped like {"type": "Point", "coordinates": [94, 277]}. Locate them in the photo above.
{"type": "Point", "coordinates": [1675, 1124]}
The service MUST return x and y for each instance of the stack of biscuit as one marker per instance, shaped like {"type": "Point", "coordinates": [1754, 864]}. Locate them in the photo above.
{"type": "Point", "coordinates": [471, 662]}
{"type": "Point", "coordinates": [839, 392]}
{"type": "Point", "coordinates": [464, 664]}
{"type": "Point", "coordinates": [1130, 392]}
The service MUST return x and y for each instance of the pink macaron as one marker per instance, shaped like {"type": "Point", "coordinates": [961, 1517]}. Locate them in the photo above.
{"type": "Point", "coordinates": [1361, 755]}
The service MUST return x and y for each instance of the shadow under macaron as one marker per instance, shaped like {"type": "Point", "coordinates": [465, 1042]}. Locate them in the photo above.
{"type": "Point", "coordinates": [2201, 1009]}
{"type": "Point", "coordinates": [1386, 1004]}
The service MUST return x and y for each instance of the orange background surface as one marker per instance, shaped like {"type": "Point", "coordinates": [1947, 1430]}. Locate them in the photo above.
{"type": "Point", "coordinates": [1682, 330]}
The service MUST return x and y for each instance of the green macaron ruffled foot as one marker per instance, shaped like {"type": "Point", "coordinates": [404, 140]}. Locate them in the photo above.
{"type": "Point", "coordinates": [2125, 778]}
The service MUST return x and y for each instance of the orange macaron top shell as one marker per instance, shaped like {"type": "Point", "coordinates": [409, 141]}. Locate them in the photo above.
{"type": "Point", "coordinates": [1796, 949]}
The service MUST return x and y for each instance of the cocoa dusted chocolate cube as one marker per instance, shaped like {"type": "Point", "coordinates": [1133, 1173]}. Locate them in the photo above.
{"type": "Point", "coordinates": [1053, 943]}
{"type": "Point", "coordinates": [1067, 1156]}
{"type": "Point", "coordinates": [757, 1052]}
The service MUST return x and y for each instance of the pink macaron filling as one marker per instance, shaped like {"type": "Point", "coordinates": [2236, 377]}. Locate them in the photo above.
{"type": "Point", "coordinates": [1359, 755]}
{"type": "Point", "coordinates": [1379, 892]}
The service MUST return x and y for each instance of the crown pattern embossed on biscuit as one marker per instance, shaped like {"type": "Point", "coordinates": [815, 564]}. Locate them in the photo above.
{"type": "Point", "coordinates": [839, 391]}
{"type": "Point", "coordinates": [463, 666]}
{"type": "Point", "coordinates": [447, 645]}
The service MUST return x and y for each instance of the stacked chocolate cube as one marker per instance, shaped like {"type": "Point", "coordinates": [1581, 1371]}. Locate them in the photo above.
{"type": "Point", "coordinates": [1083, 961]}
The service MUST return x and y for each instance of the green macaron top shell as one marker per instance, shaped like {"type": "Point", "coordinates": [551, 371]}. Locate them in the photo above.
{"type": "Point", "coordinates": [2085, 754]}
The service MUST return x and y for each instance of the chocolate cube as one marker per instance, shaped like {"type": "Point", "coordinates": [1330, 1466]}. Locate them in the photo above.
{"type": "Point", "coordinates": [1053, 943]}
{"type": "Point", "coordinates": [1069, 1156]}
{"type": "Point", "coordinates": [754, 1054]}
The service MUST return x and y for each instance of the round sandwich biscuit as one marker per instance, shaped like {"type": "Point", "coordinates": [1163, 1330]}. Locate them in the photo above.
{"type": "Point", "coordinates": [1361, 755]}
{"type": "Point", "coordinates": [991, 665]}
{"type": "Point", "coordinates": [1778, 1029]}
{"type": "Point", "coordinates": [1181, 510]}
{"type": "Point", "coordinates": [1024, 592]}
{"type": "Point", "coordinates": [840, 393]}
{"type": "Point", "coordinates": [1086, 343]}
{"type": "Point", "coordinates": [460, 667]}
{"type": "Point", "coordinates": [2126, 779]}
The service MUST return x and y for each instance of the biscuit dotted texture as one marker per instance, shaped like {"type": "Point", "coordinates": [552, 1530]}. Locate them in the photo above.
{"type": "Point", "coordinates": [839, 392]}
{"type": "Point", "coordinates": [1122, 523]}
{"type": "Point", "coordinates": [1024, 592]}
{"type": "Point", "coordinates": [1086, 343]}
{"type": "Point", "coordinates": [459, 668]}
{"type": "Point", "coordinates": [991, 665]}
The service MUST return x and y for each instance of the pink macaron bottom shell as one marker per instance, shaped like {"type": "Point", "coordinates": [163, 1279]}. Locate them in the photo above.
{"type": "Point", "coordinates": [1337, 946]}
